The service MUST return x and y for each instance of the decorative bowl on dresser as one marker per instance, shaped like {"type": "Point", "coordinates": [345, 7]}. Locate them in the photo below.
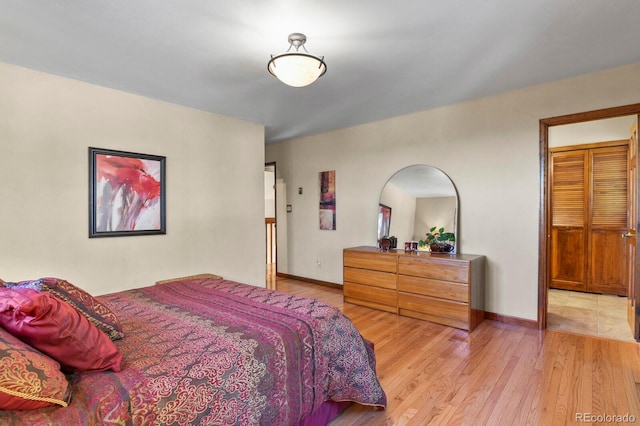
{"type": "Point", "coordinates": [438, 287]}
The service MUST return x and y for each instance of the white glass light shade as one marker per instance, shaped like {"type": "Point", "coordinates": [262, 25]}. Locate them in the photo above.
{"type": "Point", "coordinates": [297, 69]}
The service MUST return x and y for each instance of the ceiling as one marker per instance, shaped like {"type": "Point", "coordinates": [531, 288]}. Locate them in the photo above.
{"type": "Point", "coordinates": [383, 58]}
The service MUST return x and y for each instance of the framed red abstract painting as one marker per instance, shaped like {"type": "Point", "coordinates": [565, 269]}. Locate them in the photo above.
{"type": "Point", "coordinates": [126, 193]}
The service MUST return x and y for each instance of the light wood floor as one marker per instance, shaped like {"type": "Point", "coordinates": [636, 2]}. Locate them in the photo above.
{"type": "Point", "coordinates": [501, 374]}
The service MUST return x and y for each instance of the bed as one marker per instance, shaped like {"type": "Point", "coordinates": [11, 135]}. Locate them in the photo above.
{"type": "Point", "coordinates": [207, 351]}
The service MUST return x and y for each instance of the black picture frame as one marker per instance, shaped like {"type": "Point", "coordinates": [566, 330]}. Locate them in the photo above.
{"type": "Point", "coordinates": [127, 193]}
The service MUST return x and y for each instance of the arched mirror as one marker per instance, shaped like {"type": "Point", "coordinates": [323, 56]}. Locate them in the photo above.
{"type": "Point", "coordinates": [414, 200]}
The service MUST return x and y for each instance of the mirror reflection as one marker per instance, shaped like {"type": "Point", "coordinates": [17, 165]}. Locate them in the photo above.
{"type": "Point", "coordinates": [414, 200]}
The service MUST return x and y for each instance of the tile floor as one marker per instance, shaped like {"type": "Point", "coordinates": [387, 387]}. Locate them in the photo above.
{"type": "Point", "coordinates": [590, 314]}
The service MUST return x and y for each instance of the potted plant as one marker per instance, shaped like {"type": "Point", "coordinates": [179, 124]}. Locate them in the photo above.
{"type": "Point", "coordinates": [439, 241]}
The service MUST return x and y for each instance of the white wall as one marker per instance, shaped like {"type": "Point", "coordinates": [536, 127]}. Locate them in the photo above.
{"type": "Point", "coordinates": [215, 192]}
{"type": "Point", "coordinates": [488, 147]}
{"type": "Point", "coordinates": [610, 129]}
{"type": "Point", "coordinates": [269, 194]}
{"type": "Point", "coordinates": [281, 226]}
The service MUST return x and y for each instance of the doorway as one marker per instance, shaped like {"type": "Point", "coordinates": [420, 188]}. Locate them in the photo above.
{"type": "Point", "coordinates": [547, 299]}
{"type": "Point", "coordinates": [271, 245]}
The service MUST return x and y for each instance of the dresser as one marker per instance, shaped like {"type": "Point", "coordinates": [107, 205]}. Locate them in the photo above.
{"type": "Point", "coordinates": [442, 288]}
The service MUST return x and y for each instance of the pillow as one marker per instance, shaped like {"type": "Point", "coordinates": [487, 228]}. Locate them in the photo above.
{"type": "Point", "coordinates": [55, 328]}
{"type": "Point", "coordinates": [29, 379]}
{"type": "Point", "coordinates": [94, 310]}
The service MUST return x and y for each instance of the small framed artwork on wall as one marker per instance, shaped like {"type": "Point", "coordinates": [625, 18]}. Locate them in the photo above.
{"type": "Point", "coordinates": [327, 183]}
{"type": "Point", "coordinates": [127, 193]}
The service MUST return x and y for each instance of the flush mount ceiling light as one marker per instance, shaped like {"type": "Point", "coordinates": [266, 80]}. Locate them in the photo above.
{"type": "Point", "coordinates": [297, 69]}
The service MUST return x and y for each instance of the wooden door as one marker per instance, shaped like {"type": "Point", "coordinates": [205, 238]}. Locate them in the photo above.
{"type": "Point", "coordinates": [589, 199]}
{"type": "Point", "coordinates": [633, 293]}
{"type": "Point", "coordinates": [568, 180]}
{"type": "Point", "coordinates": [608, 221]}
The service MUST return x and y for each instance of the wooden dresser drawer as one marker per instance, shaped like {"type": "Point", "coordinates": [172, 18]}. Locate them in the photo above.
{"type": "Point", "coordinates": [372, 278]}
{"type": "Point", "coordinates": [438, 269]}
{"type": "Point", "coordinates": [428, 287]}
{"type": "Point", "coordinates": [374, 261]}
{"type": "Point", "coordinates": [373, 297]}
{"type": "Point", "coordinates": [441, 311]}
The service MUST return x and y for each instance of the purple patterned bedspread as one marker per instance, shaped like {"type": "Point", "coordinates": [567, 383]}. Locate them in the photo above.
{"type": "Point", "coordinates": [215, 352]}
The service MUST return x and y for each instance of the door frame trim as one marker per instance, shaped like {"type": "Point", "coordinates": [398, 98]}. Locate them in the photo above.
{"type": "Point", "coordinates": [544, 229]}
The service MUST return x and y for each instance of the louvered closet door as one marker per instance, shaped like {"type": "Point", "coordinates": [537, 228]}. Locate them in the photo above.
{"type": "Point", "coordinates": [569, 179]}
{"type": "Point", "coordinates": [589, 207]}
{"type": "Point", "coordinates": [607, 262]}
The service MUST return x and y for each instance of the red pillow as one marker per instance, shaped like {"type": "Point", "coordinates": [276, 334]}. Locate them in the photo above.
{"type": "Point", "coordinates": [29, 379]}
{"type": "Point", "coordinates": [58, 330]}
{"type": "Point", "coordinates": [96, 312]}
